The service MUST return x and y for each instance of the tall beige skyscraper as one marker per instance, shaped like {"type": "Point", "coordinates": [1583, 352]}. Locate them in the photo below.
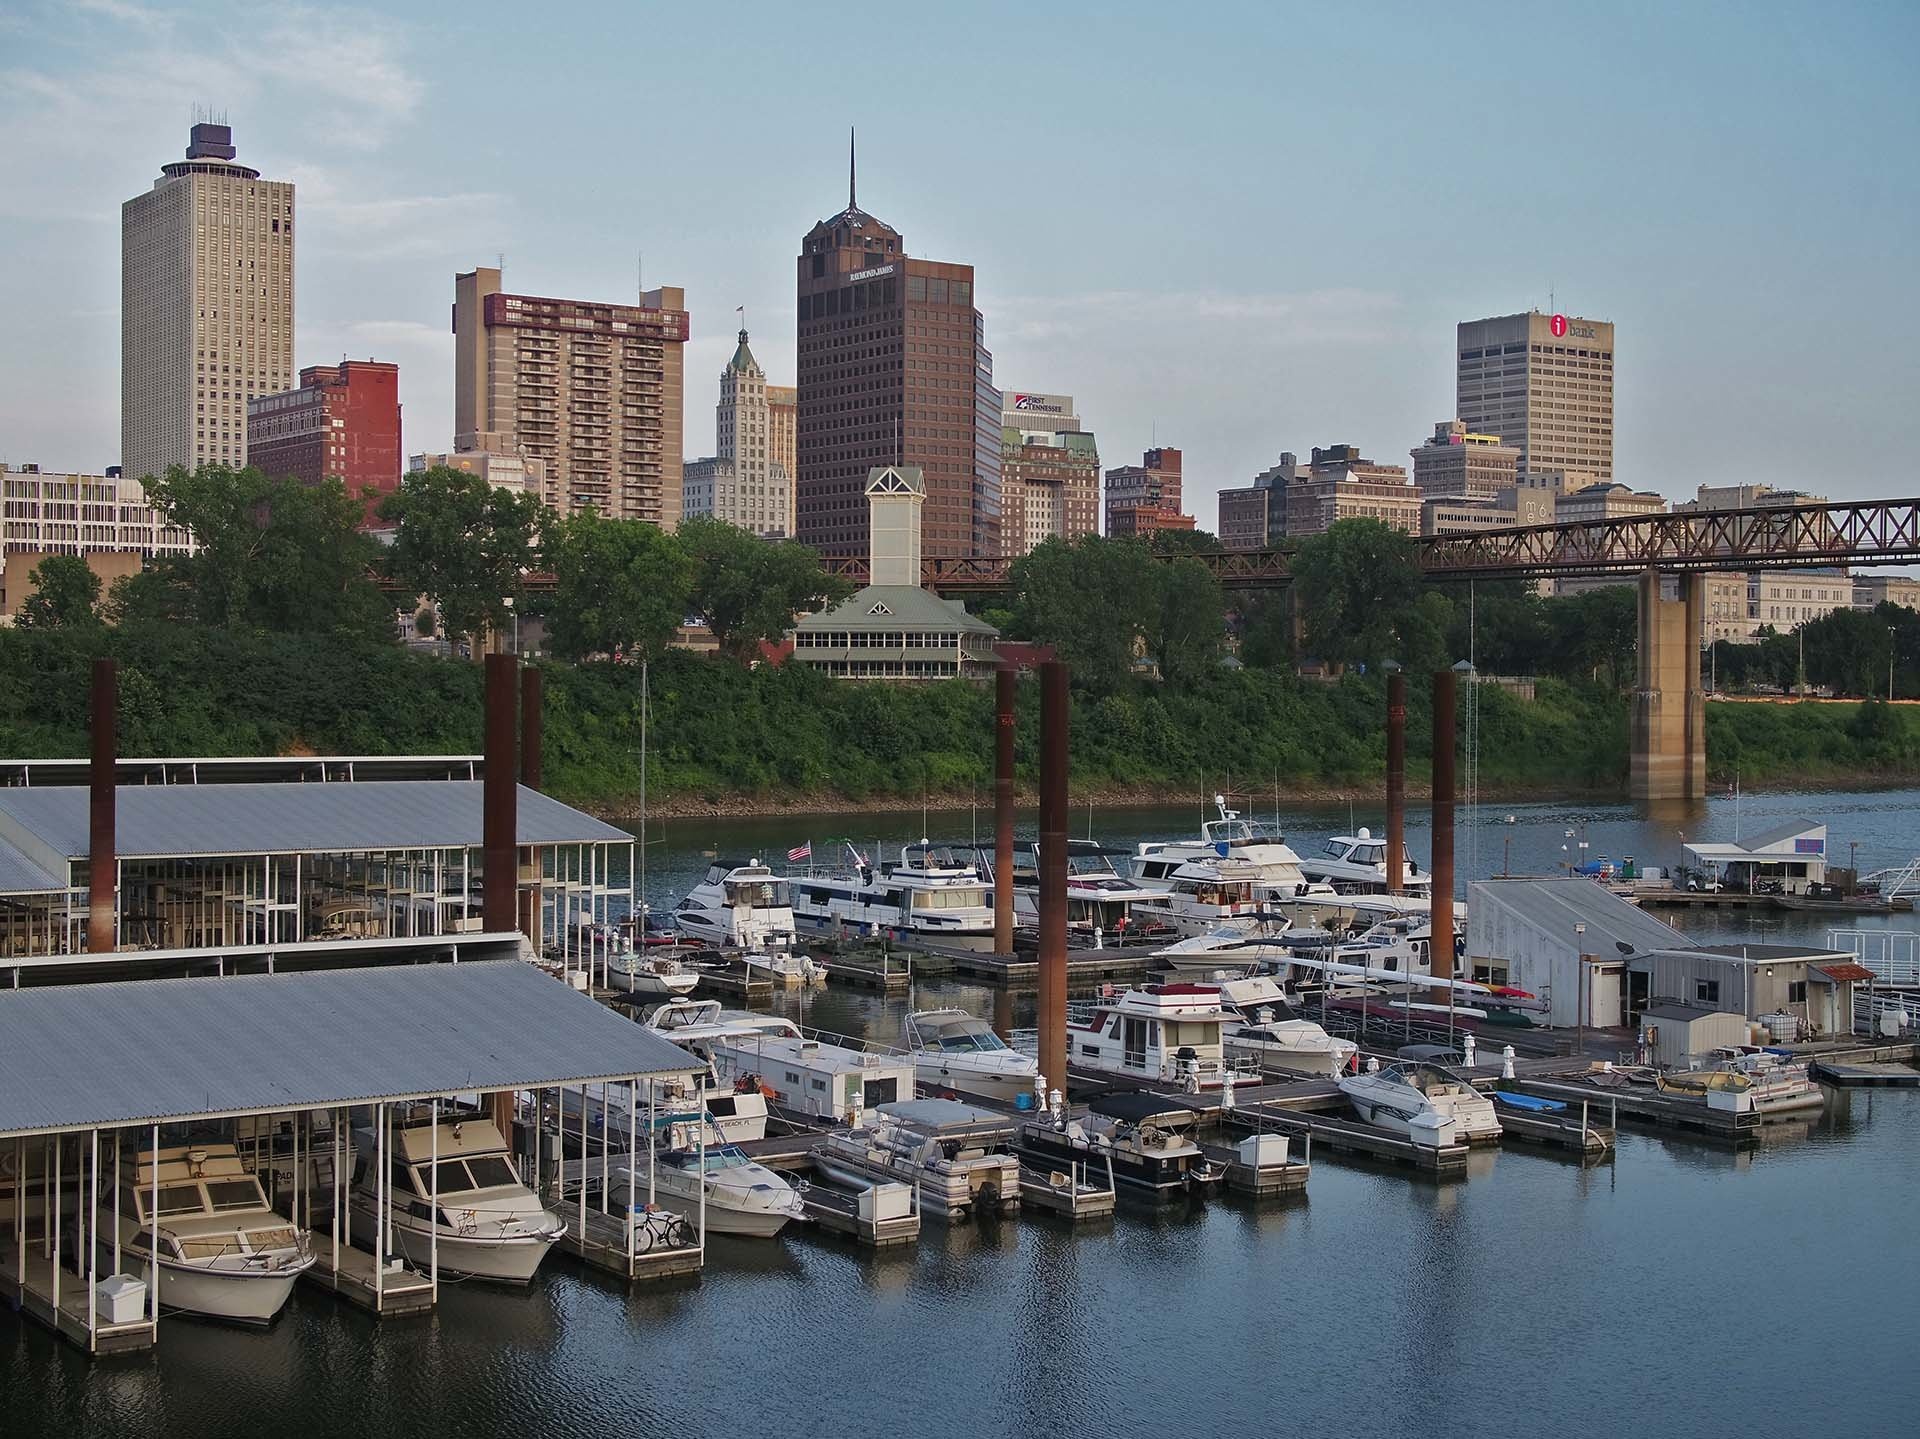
{"type": "Point", "coordinates": [742, 483]}
{"type": "Point", "coordinates": [1544, 385]}
{"type": "Point", "coordinates": [206, 307]}
{"type": "Point", "coordinates": [593, 390]}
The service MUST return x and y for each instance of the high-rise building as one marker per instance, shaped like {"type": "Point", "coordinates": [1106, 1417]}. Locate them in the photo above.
{"type": "Point", "coordinates": [522, 474]}
{"type": "Point", "coordinates": [106, 519]}
{"type": "Point", "coordinates": [1145, 497]}
{"type": "Point", "coordinates": [1458, 464]}
{"type": "Point", "coordinates": [1544, 385]}
{"type": "Point", "coordinates": [1256, 517]}
{"type": "Point", "coordinates": [342, 422]}
{"type": "Point", "coordinates": [893, 370]}
{"type": "Point", "coordinates": [592, 389]}
{"type": "Point", "coordinates": [783, 404]}
{"type": "Point", "coordinates": [1746, 497]}
{"type": "Point", "coordinates": [1049, 473]}
{"type": "Point", "coordinates": [742, 483]}
{"type": "Point", "coordinates": [206, 307]}
{"type": "Point", "coordinates": [1340, 485]}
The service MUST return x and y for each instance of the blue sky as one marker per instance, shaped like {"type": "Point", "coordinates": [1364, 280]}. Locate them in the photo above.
{"type": "Point", "coordinates": [1234, 228]}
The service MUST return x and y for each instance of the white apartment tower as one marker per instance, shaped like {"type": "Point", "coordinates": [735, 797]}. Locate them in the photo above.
{"type": "Point", "coordinates": [206, 307]}
{"type": "Point", "coordinates": [743, 483]}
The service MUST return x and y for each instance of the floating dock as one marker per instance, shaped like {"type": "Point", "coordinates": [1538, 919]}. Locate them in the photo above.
{"type": "Point", "coordinates": [38, 1285]}
{"type": "Point", "coordinates": [1078, 1197]}
{"type": "Point", "coordinates": [399, 1292]}
{"type": "Point", "coordinates": [1865, 1076]}
{"type": "Point", "coordinates": [1085, 967]}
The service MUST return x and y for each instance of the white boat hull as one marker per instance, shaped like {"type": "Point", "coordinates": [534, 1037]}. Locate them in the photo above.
{"type": "Point", "coordinates": [654, 986]}
{"type": "Point", "coordinates": [1003, 1085]}
{"type": "Point", "coordinates": [509, 1260]}
{"type": "Point", "coordinates": [729, 1210]}
{"type": "Point", "coordinates": [1326, 1060]}
{"type": "Point", "coordinates": [240, 1297]}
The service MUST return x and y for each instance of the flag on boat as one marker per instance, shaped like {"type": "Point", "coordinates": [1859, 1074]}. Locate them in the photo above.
{"type": "Point", "coordinates": [805, 851]}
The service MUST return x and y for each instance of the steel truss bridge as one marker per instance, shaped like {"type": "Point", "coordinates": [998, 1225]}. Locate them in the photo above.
{"type": "Point", "coordinates": [1858, 532]}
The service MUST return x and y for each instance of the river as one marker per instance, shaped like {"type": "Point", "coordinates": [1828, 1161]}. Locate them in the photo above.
{"type": "Point", "coordinates": [1678, 1290]}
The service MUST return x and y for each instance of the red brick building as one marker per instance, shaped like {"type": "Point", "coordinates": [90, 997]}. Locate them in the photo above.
{"type": "Point", "coordinates": [1145, 497]}
{"type": "Point", "coordinates": [343, 422]}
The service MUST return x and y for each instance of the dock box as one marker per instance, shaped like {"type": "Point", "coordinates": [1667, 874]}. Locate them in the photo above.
{"type": "Point", "coordinates": [882, 1202]}
{"type": "Point", "coordinates": [1263, 1151]}
{"type": "Point", "coordinates": [121, 1299]}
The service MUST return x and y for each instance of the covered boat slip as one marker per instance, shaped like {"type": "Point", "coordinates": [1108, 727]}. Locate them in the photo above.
{"type": "Point", "coordinates": [90, 1069]}
{"type": "Point", "coordinates": [204, 866]}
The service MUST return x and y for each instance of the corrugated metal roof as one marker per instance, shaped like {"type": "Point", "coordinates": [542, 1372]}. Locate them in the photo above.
{"type": "Point", "coordinates": [154, 821]}
{"type": "Point", "coordinates": [1556, 905]}
{"type": "Point", "coordinates": [157, 1050]}
{"type": "Point", "coordinates": [20, 875]}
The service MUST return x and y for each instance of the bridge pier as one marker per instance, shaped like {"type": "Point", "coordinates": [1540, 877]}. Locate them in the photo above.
{"type": "Point", "coordinates": [1669, 758]}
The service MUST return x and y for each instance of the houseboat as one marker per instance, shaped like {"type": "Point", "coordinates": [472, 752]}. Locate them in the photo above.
{"type": "Point", "coordinates": [1167, 1033]}
{"type": "Point", "coordinates": [810, 1077]}
{"type": "Point", "coordinates": [958, 1156]}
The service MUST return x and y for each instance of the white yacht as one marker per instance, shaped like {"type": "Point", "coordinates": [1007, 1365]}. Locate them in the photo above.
{"type": "Point", "coordinates": [1168, 1033]}
{"type": "Point", "coordinates": [952, 1049]}
{"type": "Point", "coordinates": [1146, 1138]}
{"type": "Point", "coordinates": [1428, 1103]}
{"type": "Point", "coordinates": [488, 1224]}
{"type": "Point", "coordinates": [1207, 894]}
{"type": "Point", "coordinates": [1357, 864]}
{"type": "Point", "coordinates": [931, 893]}
{"type": "Point", "coordinates": [960, 1157]}
{"type": "Point", "coordinates": [1099, 897]}
{"type": "Point", "coordinates": [737, 1107]}
{"type": "Point", "coordinates": [742, 1196]}
{"type": "Point", "coordinates": [738, 906]}
{"type": "Point", "coordinates": [1274, 1036]}
{"type": "Point", "coordinates": [1276, 868]}
{"type": "Point", "coordinates": [224, 1251]}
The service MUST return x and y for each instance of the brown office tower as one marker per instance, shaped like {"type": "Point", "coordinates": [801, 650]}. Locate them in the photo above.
{"type": "Point", "coordinates": [1144, 498]}
{"type": "Point", "coordinates": [343, 423]}
{"type": "Point", "coordinates": [893, 368]}
{"type": "Point", "coordinates": [593, 390]}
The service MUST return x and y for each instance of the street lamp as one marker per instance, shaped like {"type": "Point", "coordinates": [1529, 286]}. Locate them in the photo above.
{"type": "Point", "coordinates": [1580, 961]}
{"type": "Point", "coordinates": [507, 600]}
{"type": "Point", "coordinates": [1566, 853]}
{"type": "Point", "coordinates": [1893, 649]}
{"type": "Point", "coordinates": [1506, 858]}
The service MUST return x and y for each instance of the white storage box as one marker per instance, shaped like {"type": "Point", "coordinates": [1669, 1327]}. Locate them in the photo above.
{"type": "Point", "coordinates": [120, 1299]}
{"type": "Point", "coordinates": [1263, 1151]}
{"type": "Point", "coordinates": [885, 1201]}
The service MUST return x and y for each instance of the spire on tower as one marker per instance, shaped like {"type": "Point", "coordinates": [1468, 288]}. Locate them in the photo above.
{"type": "Point", "coordinates": [850, 170]}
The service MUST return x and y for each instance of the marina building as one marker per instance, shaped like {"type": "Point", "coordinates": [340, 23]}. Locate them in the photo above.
{"type": "Point", "coordinates": [741, 483]}
{"type": "Point", "coordinates": [1145, 498]}
{"type": "Point", "coordinates": [892, 629]}
{"type": "Point", "coordinates": [593, 390]}
{"type": "Point", "coordinates": [342, 422]}
{"type": "Point", "coordinates": [104, 518]}
{"type": "Point", "coordinates": [206, 307]}
{"type": "Point", "coordinates": [1456, 463]}
{"type": "Point", "coordinates": [1544, 385]}
{"type": "Point", "coordinates": [893, 370]}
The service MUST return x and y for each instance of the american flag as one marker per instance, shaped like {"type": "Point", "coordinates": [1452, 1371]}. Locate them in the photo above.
{"type": "Point", "coordinates": [800, 852]}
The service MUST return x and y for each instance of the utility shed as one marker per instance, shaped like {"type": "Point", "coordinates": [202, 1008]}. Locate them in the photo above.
{"type": "Point", "coordinates": [1678, 1034]}
{"type": "Point", "coordinates": [1752, 980]}
{"type": "Point", "coordinates": [1534, 933]}
{"type": "Point", "coordinates": [1793, 855]}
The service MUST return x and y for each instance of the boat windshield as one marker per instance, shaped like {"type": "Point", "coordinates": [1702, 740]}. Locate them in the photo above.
{"type": "Point", "coordinates": [1090, 862]}
{"type": "Point", "coordinates": [235, 1194]}
{"type": "Point", "coordinates": [975, 1038]}
{"type": "Point", "coordinates": [1336, 848]}
{"type": "Point", "coordinates": [759, 893]}
{"type": "Point", "coordinates": [179, 1199]}
{"type": "Point", "coordinates": [490, 1171]}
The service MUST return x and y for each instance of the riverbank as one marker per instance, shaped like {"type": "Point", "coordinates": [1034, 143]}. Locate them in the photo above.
{"type": "Point", "coordinates": [726, 741]}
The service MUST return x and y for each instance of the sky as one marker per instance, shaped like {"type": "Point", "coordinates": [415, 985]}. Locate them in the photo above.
{"type": "Point", "coordinates": [1237, 229]}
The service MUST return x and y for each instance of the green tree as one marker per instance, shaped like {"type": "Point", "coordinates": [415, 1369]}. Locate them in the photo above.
{"type": "Point", "coordinates": [1184, 542]}
{"type": "Point", "coordinates": [463, 543]}
{"type": "Point", "coordinates": [1362, 599]}
{"type": "Point", "coordinates": [1594, 635]}
{"type": "Point", "coordinates": [270, 553]}
{"type": "Point", "coordinates": [621, 587]}
{"type": "Point", "coordinates": [750, 589]}
{"type": "Point", "coordinates": [1266, 630]}
{"type": "Point", "coordinates": [66, 595]}
{"type": "Point", "coordinates": [1187, 623]}
{"type": "Point", "coordinates": [1091, 599]}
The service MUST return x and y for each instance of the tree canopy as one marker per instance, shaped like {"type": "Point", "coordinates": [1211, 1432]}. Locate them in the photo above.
{"type": "Point", "coordinates": [66, 595]}
{"type": "Point", "coordinates": [621, 587]}
{"type": "Point", "coordinates": [1362, 599]}
{"type": "Point", "coordinates": [465, 544]}
{"type": "Point", "coordinates": [1089, 598]}
{"type": "Point", "coordinates": [749, 589]}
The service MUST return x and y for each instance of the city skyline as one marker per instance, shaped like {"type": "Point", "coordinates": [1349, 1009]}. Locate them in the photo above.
{"type": "Point", "coordinates": [1316, 303]}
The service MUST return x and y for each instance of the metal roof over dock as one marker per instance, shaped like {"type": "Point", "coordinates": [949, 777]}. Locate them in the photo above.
{"type": "Point", "coordinates": [21, 875]}
{"type": "Point", "coordinates": [45, 823]}
{"type": "Point", "coordinates": [165, 1050]}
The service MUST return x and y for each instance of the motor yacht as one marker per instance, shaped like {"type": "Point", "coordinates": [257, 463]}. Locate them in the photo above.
{"type": "Point", "coordinates": [742, 1196]}
{"type": "Point", "coordinates": [738, 906]}
{"type": "Point", "coordinates": [1357, 864]}
{"type": "Point", "coordinates": [1211, 894]}
{"type": "Point", "coordinates": [952, 1049]}
{"type": "Point", "coordinates": [1167, 1033]}
{"type": "Point", "coordinates": [1273, 1034]}
{"type": "Point", "coordinates": [1146, 1138]}
{"type": "Point", "coordinates": [488, 1225]}
{"type": "Point", "coordinates": [958, 1156]}
{"type": "Point", "coordinates": [1430, 1104]}
{"type": "Point", "coordinates": [1276, 868]}
{"type": "Point", "coordinates": [737, 1107]}
{"type": "Point", "coordinates": [932, 892]}
{"type": "Point", "coordinates": [1100, 900]}
{"type": "Point", "coordinates": [224, 1252]}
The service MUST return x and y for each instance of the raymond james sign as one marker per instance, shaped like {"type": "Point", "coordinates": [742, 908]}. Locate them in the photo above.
{"type": "Point", "coordinates": [872, 274]}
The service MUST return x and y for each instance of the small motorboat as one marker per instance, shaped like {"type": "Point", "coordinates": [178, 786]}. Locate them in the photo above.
{"type": "Point", "coordinates": [955, 1050]}
{"type": "Point", "coordinates": [1427, 1102]}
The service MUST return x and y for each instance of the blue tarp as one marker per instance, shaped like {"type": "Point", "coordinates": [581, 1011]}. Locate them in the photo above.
{"type": "Point", "coordinates": [1527, 1101]}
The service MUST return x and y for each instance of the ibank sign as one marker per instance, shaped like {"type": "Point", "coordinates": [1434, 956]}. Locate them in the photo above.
{"type": "Point", "coordinates": [1563, 328]}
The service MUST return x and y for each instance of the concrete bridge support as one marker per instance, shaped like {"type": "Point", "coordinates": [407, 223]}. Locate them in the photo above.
{"type": "Point", "coordinates": [1669, 708]}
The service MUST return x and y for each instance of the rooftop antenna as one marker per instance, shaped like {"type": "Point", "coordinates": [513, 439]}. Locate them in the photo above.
{"type": "Point", "coordinates": [850, 169]}
{"type": "Point", "coordinates": [500, 261]}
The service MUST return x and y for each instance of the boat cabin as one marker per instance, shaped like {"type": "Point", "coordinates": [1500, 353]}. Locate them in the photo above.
{"type": "Point", "coordinates": [1172, 1033]}
{"type": "Point", "coordinates": [810, 1077]}
{"type": "Point", "coordinates": [209, 1206]}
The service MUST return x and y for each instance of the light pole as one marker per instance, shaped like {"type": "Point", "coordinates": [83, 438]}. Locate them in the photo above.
{"type": "Point", "coordinates": [1893, 649]}
{"type": "Point", "coordinates": [1580, 961]}
{"type": "Point", "coordinates": [1506, 856]}
{"type": "Point", "coordinates": [507, 600]}
{"type": "Point", "coordinates": [1566, 853]}
{"type": "Point", "coordinates": [1583, 849]}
